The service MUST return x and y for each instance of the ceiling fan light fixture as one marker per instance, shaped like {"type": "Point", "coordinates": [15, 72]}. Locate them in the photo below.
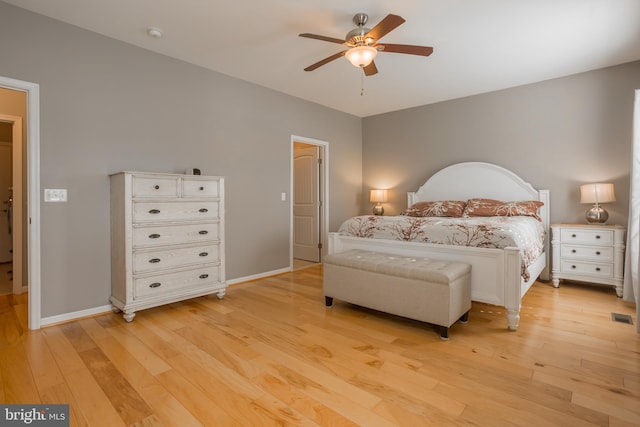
{"type": "Point", "coordinates": [361, 56]}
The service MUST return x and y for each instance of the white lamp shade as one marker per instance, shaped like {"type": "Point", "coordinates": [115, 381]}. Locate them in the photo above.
{"type": "Point", "coordinates": [378, 196]}
{"type": "Point", "coordinates": [361, 56]}
{"type": "Point", "coordinates": [597, 193]}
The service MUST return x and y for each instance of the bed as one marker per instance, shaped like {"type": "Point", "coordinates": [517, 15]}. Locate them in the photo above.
{"type": "Point", "coordinates": [497, 274]}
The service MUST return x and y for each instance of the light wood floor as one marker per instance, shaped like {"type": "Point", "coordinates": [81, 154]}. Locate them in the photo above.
{"type": "Point", "coordinates": [270, 353]}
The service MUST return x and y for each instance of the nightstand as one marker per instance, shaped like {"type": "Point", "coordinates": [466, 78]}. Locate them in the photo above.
{"type": "Point", "coordinates": [588, 253]}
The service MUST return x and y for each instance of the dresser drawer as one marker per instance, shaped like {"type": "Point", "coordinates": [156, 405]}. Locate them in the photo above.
{"type": "Point", "coordinates": [174, 234]}
{"type": "Point", "coordinates": [597, 253]}
{"type": "Point", "coordinates": [593, 269]}
{"type": "Point", "coordinates": [145, 287]}
{"type": "Point", "coordinates": [594, 237]}
{"type": "Point", "coordinates": [152, 186]}
{"type": "Point", "coordinates": [196, 187]}
{"type": "Point", "coordinates": [148, 261]}
{"type": "Point", "coordinates": [174, 211]}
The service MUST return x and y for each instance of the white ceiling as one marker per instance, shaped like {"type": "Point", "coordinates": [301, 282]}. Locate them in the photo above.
{"type": "Point", "coordinates": [479, 45]}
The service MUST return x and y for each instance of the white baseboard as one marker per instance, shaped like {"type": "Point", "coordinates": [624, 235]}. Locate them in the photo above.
{"type": "Point", "coordinates": [67, 317]}
{"type": "Point", "coordinates": [61, 318]}
{"type": "Point", "coordinates": [258, 276]}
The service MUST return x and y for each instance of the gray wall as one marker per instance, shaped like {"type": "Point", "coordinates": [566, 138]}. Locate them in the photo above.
{"type": "Point", "coordinates": [556, 135]}
{"type": "Point", "coordinates": [107, 106]}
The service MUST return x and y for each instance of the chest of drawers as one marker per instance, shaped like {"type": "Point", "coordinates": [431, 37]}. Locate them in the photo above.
{"type": "Point", "coordinates": [167, 239]}
{"type": "Point", "coordinates": [588, 253]}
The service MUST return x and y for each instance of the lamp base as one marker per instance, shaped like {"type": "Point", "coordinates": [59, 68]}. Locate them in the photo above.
{"type": "Point", "coordinates": [596, 215]}
{"type": "Point", "coordinates": [378, 209]}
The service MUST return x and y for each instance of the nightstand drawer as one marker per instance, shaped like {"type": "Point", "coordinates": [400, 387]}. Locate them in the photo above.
{"type": "Point", "coordinates": [592, 269]}
{"type": "Point", "coordinates": [599, 253]}
{"type": "Point", "coordinates": [593, 237]}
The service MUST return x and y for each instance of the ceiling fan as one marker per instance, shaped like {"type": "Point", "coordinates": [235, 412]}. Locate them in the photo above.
{"type": "Point", "coordinates": [363, 43]}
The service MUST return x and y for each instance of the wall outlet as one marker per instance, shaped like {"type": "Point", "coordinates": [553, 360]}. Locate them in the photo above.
{"type": "Point", "coordinates": [283, 197]}
{"type": "Point", "coordinates": [55, 195]}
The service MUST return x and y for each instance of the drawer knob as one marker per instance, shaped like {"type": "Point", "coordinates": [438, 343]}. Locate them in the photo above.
{"type": "Point", "coordinates": [597, 268]}
{"type": "Point", "coordinates": [155, 285]}
{"type": "Point", "coordinates": [203, 254]}
{"type": "Point", "coordinates": [154, 260]}
{"type": "Point", "coordinates": [201, 188]}
{"type": "Point", "coordinates": [573, 251]}
{"type": "Point", "coordinates": [597, 236]}
{"type": "Point", "coordinates": [204, 276]}
{"type": "Point", "coordinates": [203, 210]}
{"type": "Point", "coordinates": [573, 235]}
{"type": "Point", "coordinates": [203, 232]}
{"type": "Point", "coordinates": [157, 187]}
{"type": "Point", "coordinates": [154, 236]}
{"type": "Point", "coordinates": [154, 211]}
{"type": "Point", "coordinates": [573, 266]}
{"type": "Point", "coordinates": [597, 252]}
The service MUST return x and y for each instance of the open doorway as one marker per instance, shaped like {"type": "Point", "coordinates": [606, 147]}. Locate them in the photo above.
{"type": "Point", "coordinates": [309, 209]}
{"type": "Point", "coordinates": [12, 236]}
{"type": "Point", "coordinates": [25, 123]}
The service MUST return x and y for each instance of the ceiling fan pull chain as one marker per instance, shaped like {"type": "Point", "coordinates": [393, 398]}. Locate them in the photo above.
{"type": "Point", "coordinates": [362, 82]}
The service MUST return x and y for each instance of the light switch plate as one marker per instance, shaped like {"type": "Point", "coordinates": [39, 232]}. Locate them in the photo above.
{"type": "Point", "coordinates": [55, 195]}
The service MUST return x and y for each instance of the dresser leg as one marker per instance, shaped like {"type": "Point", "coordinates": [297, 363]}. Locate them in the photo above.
{"type": "Point", "coordinates": [128, 316]}
{"type": "Point", "coordinates": [556, 283]}
{"type": "Point", "coordinates": [220, 294]}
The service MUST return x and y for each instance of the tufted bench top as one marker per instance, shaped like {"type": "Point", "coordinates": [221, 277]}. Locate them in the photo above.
{"type": "Point", "coordinates": [419, 268]}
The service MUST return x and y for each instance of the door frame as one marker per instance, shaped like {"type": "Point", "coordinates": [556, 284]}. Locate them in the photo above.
{"type": "Point", "coordinates": [33, 191]}
{"type": "Point", "coordinates": [18, 198]}
{"type": "Point", "coordinates": [324, 192]}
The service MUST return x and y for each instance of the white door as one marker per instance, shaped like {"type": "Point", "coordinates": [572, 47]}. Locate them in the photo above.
{"type": "Point", "coordinates": [306, 203]}
{"type": "Point", "coordinates": [5, 184]}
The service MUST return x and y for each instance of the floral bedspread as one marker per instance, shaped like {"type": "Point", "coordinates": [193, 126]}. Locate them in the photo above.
{"type": "Point", "coordinates": [525, 233]}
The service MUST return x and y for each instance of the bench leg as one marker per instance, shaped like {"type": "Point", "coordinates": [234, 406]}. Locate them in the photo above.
{"type": "Point", "coordinates": [328, 301]}
{"type": "Point", "coordinates": [464, 318]}
{"type": "Point", "coordinates": [444, 333]}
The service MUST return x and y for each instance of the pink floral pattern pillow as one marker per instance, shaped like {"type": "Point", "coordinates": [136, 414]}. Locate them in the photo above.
{"type": "Point", "coordinates": [490, 207]}
{"type": "Point", "coordinates": [453, 208]}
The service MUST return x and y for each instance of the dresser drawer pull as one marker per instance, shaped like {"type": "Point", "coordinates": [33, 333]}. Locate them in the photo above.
{"type": "Point", "coordinates": [203, 210]}
{"type": "Point", "coordinates": [155, 285]}
{"type": "Point", "coordinates": [597, 236]}
{"type": "Point", "coordinates": [154, 236]}
{"type": "Point", "coordinates": [203, 232]}
{"type": "Point", "coordinates": [154, 211]}
{"type": "Point", "coordinates": [204, 254]}
{"type": "Point", "coordinates": [157, 187]}
{"type": "Point", "coordinates": [204, 276]}
{"type": "Point", "coordinates": [201, 188]}
{"type": "Point", "coordinates": [597, 252]}
{"type": "Point", "coordinates": [573, 266]}
{"type": "Point", "coordinates": [573, 235]}
{"type": "Point", "coordinates": [154, 260]}
{"type": "Point", "coordinates": [597, 268]}
{"type": "Point", "coordinates": [573, 251]}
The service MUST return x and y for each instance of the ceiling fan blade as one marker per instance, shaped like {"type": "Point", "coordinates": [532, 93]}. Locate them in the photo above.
{"type": "Point", "coordinates": [371, 69]}
{"type": "Point", "coordinates": [384, 27]}
{"type": "Point", "coordinates": [325, 61]}
{"type": "Point", "coordinates": [323, 38]}
{"type": "Point", "coordinates": [406, 48]}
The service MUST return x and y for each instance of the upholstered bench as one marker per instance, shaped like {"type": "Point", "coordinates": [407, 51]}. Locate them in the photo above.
{"type": "Point", "coordinates": [424, 289]}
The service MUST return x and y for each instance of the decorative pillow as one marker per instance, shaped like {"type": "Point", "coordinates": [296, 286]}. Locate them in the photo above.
{"type": "Point", "coordinates": [453, 208]}
{"type": "Point", "coordinates": [489, 207]}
